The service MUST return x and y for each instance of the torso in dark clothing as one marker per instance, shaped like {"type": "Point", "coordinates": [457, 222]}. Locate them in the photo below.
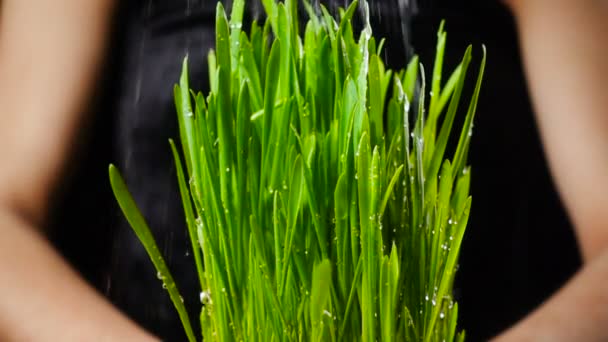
{"type": "Point", "coordinates": [508, 265]}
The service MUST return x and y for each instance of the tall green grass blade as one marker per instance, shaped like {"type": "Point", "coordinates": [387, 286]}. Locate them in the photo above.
{"type": "Point", "coordinates": [467, 131]}
{"type": "Point", "coordinates": [319, 296]}
{"type": "Point", "coordinates": [188, 212]}
{"type": "Point", "coordinates": [140, 227]}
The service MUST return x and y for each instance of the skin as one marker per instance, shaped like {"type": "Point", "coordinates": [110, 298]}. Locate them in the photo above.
{"type": "Point", "coordinates": [44, 56]}
{"type": "Point", "coordinates": [566, 60]}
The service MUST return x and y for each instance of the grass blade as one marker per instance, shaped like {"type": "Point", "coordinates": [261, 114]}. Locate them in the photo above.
{"type": "Point", "coordinates": [140, 227]}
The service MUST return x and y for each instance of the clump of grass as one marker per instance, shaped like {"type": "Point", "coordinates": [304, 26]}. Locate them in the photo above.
{"type": "Point", "coordinates": [320, 205]}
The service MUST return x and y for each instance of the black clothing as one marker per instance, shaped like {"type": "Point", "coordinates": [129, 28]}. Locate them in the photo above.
{"type": "Point", "coordinates": [519, 246]}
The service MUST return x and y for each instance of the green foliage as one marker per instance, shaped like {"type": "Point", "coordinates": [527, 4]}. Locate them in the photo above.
{"type": "Point", "coordinates": [321, 207]}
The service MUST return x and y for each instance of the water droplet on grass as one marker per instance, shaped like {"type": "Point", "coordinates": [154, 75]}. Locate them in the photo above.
{"type": "Point", "coordinates": [205, 298]}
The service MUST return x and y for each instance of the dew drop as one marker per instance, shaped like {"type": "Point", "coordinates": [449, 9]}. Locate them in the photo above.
{"type": "Point", "coordinates": [205, 298]}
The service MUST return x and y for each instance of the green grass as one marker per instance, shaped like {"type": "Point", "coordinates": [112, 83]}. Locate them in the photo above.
{"type": "Point", "coordinates": [320, 205]}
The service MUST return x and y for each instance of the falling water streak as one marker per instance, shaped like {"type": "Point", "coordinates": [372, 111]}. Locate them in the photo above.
{"type": "Point", "coordinates": [147, 13]}
{"type": "Point", "coordinates": [365, 12]}
{"type": "Point", "coordinates": [188, 12]}
{"type": "Point", "coordinates": [379, 10]}
{"type": "Point", "coordinates": [407, 9]}
{"type": "Point", "coordinates": [108, 284]}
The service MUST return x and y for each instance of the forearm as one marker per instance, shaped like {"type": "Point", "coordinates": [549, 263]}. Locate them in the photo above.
{"type": "Point", "coordinates": [42, 299]}
{"type": "Point", "coordinates": [565, 55]}
{"type": "Point", "coordinates": [50, 53]}
{"type": "Point", "coordinates": [566, 59]}
{"type": "Point", "coordinates": [578, 312]}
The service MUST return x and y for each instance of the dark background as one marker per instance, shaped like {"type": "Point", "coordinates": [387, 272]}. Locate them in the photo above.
{"type": "Point", "coordinates": [519, 247]}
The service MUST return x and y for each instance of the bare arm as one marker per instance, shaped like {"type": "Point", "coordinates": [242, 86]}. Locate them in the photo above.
{"type": "Point", "coordinates": [566, 58]}
{"type": "Point", "coordinates": [578, 312]}
{"type": "Point", "coordinates": [565, 51]}
{"type": "Point", "coordinates": [49, 54]}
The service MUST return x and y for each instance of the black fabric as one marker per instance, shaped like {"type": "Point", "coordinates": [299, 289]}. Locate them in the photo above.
{"type": "Point", "coordinates": [519, 246]}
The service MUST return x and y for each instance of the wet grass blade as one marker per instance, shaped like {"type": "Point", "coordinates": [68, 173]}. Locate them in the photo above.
{"type": "Point", "coordinates": [140, 227]}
